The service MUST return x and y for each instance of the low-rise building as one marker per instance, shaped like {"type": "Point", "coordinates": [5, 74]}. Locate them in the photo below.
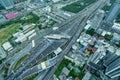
{"type": "Point", "coordinates": [83, 39]}
{"type": "Point", "coordinates": [11, 15]}
{"type": "Point", "coordinates": [116, 26]}
{"type": "Point", "coordinates": [118, 52]}
{"type": "Point", "coordinates": [19, 37]}
{"type": "Point", "coordinates": [87, 26]}
{"type": "Point", "coordinates": [74, 47]}
{"type": "Point", "coordinates": [27, 32]}
{"type": "Point", "coordinates": [7, 46]}
{"type": "Point", "coordinates": [27, 28]}
{"type": "Point", "coordinates": [111, 49]}
{"type": "Point", "coordinates": [57, 51]}
{"type": "Point", "coordinates": [87, 76]}
{"type": "Point", "coordinates": [116, 37]}
{"type": "Point", "coordinates": [103, 33]}
{"type": "Point", "coordinates": [57, 36]}
{"type": "Point", "coordinates": [47, 9]}
{"type": "Point", "coordinates": [65, 71]}
{"type": "Point", "coordinates": [2, 53]}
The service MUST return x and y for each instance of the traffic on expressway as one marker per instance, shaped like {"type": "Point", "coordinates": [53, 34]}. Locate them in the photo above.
{"type": "Point", "coordinates": [59, 39]}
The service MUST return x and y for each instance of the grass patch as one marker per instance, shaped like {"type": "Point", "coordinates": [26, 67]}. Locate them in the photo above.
{"type": "Point", "coordinates": [64, 63]}
{"type": "Point", "coordinates": [20, 61]}
{"type": "Point", "coordinates": [80, 75]}
{"type": "Point", "coordinates": [90, 31]}
{"type": "Point", "coordinates": [32, 77]}
{"type": "Point", "coordinates": [52, 22]}
{"type": "Point", "coordinates": [75, 72]}
{"type": "Point", "coordinates": [78, 6]}
{"type": "Point", "coordinates": [30, 18]}
{"type": "Point", "coordinates": [106, 8]}
{"type": "Point", "coordinates": [13, 26]}
{"type": "Point", "coordinates": [5, 33]}
{"type": "Point", "coordinates": [118, 19]}
{"type": "Point", "coordinates": [49, 24]}
{"type": "Point", "coordinates": [108, 37]}
{"type": "Point", "coordinates": [6, 70]}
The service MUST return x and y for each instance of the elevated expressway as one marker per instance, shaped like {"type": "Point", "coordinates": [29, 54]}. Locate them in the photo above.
{"type": "Point", "coordinates": [72, 27]}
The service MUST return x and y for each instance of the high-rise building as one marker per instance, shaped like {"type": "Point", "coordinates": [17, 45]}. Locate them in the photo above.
{"type": "Point", "coordinates": [108, 69]}
{"type": "Point", "coordinates": [112, 65]}
{"type": "Point", "coordinates": [7, 4]}
{"type": "Point", "coordinates": [114, 11]}
{"type": "Point", "coordinates": [98, 55]}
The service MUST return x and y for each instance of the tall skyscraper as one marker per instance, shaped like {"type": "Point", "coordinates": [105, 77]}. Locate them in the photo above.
{"type": "Point", "coordinates": [112, 65]}
{"type": "Point", "coordinates": [108, 69]}
{"type": "Point", "coordinates": [7, 4]}
{"type": "Point", "coordinates": [114, 11]}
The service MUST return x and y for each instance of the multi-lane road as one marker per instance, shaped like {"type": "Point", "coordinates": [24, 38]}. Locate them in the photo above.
{"type": "Point", "coordinates": [81, 26]}
{"type": "Point", "coordinates": [72, 27]}
{"type": "Point", "coordinates": [38, 68]}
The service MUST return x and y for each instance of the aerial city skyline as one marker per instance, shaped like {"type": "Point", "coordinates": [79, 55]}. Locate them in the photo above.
{"type": "Point", "coordinates": [59, 39]}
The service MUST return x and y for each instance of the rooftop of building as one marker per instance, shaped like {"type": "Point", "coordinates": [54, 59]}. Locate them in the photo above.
{"type": "Point", "coordinates": [11, 15]}
{"type": "Point", "coordinates": [118, 51]}
{"type": "Point", "coordinates": [7, 46]}
{"type": "Point", "coordinates": [65, 71]}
